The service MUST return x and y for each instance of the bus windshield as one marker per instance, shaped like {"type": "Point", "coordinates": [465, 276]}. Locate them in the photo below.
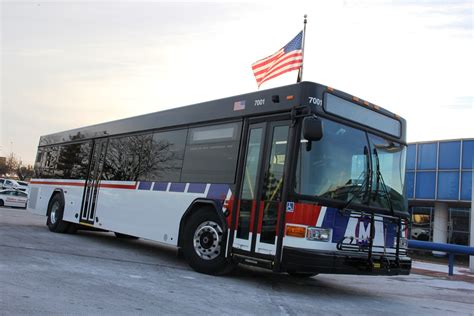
{"type": "Point", "coordinates": [337, 167]}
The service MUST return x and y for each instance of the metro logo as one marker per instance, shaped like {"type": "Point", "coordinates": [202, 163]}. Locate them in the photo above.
{"type": "Point", "coordinates": [359, 229]}
{"type": "Point", "coordinates": [362, 232]}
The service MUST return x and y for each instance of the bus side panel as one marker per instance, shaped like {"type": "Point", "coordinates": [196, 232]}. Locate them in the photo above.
{"type": "Point", "coordinates": [72, 203]}
{"type": "Point", "coordinates": [149, 214]}
{"type": "Point", "coordinates": [145, 214]}
{"type": "Point", "coordinates": [41, 191]}
{"type": "Point", "coordinates": [38, 198]}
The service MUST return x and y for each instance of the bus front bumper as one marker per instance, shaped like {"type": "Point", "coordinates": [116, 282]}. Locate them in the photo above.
{"type": "Point", "coordinates": [312, 261]}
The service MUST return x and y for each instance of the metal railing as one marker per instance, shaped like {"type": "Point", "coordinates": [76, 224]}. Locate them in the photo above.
{"type": "Point", "coordinates": [450, 249]}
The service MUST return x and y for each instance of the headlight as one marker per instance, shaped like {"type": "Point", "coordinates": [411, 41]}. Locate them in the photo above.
{"type": "Point", "coordinates": [318, 234]}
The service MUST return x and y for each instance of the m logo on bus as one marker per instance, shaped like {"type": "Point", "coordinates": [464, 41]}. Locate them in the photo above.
{"type": "Point", "coordinates": [362, 230]}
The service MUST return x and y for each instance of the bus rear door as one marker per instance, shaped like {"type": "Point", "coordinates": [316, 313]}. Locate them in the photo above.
{"type": "Point", "coordinates": [91, 186]}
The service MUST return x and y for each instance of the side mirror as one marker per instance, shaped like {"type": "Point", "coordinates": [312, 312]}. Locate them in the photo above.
{"type": "Point", "coordinates": [312, 128]}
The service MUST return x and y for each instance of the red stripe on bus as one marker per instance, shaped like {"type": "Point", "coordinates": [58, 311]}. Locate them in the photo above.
{"type": "Point", "coordinates": [119, 186]}
{"type": "Point", "coordinates": [252, 216]}
{"type": "Point", "coordinates": [261, 210]}
{"type": "Point", "coordinates": [79, 184]}
{"type": "Point", "coordinates": [304, 214]}
{"type": "Point", "coordinates": [74, 184]}
{"type": "Point", "coordinates": [237, 211]}
{"type": "Point", "coordinates": [280, 206]}
{"type": "Point", "coordinates": [230, 208]}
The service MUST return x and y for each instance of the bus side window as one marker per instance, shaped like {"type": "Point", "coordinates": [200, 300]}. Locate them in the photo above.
{"type": "Point", "coordinates": [49, 162]}
{"type": "Point", "coordinates": [211, 153]}
{"type": "Point", "coordinates": [163, 156]}
{"type": "Point", "coordinates": [73, 161]}
{"type": "Point", "coordinates": [124, 154]}
{"type": "Point", "coordinates": [38, 166]}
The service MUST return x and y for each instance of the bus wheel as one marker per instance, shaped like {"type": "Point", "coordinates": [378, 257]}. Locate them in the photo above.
{"type": "Point", "coordinates": [124, 236]}
{"type": "Point", "coordinates": [203, 244]}
{"type": "Point", "coordinates": [55, 215]}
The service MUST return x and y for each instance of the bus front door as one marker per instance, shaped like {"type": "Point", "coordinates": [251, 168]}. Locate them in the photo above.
{"type": "Point", "coordinates": [91, 186]}
{"type": "Point", "coordinates": [259, 202]}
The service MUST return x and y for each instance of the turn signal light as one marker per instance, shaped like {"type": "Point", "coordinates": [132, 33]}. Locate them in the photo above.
{"type": "Point", "coordinates": [296, 231]}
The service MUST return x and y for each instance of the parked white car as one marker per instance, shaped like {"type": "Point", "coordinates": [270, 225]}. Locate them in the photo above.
{"type": "Point", "coordinates": [13, 198]}
{"type": "Point", "coordinates": [13, 184]}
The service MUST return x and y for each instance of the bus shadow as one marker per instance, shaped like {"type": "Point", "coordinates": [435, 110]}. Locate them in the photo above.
{"type": "Point", "coordinates": [136, 250]}
{"type": "Point", "coordinates": [319, 285]}
{"type": "Point", "coordinates": [152, 253]}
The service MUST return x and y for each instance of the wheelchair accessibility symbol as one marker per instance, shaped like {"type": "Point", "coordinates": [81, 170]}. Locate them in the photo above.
{"type": "Point", "coordinates": [290, 207]}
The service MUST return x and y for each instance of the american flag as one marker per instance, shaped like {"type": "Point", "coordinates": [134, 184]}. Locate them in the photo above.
{"type": "Point", "coordinates": [284, 60]}
{"type": "Point", "coordinates": [239, 105]}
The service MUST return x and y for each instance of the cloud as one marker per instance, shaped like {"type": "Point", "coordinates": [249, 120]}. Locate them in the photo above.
{"type": "Point", "coordinates": [75, 64]}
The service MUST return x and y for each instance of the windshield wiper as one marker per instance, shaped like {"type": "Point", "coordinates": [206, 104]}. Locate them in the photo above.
{"type": "Point", "coordinates": [365, 184]}
{"type": "Point", "coordinates": [380, 182]}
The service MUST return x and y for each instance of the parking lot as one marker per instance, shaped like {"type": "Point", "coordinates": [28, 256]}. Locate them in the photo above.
{"type": "Point", "coordinates": [95, 273]}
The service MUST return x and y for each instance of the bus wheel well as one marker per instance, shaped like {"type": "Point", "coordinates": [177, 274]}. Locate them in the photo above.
{"type": "Point", "coordinates": [55, 213]}
{"type": "Point", "coordinates": [198, 206]}
{"type": "Point", "coordinates": [55, 192]}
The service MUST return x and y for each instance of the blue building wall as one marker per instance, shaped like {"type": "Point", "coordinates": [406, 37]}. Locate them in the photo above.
{"type": "Point", "coordinates": [440, 170]}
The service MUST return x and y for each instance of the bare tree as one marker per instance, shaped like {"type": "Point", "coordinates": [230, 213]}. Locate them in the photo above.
{"type": "Point", "coordinates": [3, 168]}
{"type": "Point", "coordinates": [139, 157]}
{"type": "Point", "coordinates": [12, 166]}
{"type": "Point", "coordinates": [25, 172]}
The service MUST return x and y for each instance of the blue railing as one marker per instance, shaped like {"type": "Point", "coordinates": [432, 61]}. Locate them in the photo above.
{"type": "Point", "coordinates": [450, 249]}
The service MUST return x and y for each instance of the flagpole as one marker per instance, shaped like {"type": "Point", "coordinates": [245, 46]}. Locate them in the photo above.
{"type": "Point", "coordinates": [300, 72]}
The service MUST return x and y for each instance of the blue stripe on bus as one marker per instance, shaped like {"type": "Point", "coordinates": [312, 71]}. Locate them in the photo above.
{"type": "Point", "coordinates": [160, 186]}
{"type": "Point", "coordinates": [218, 191]}
{"type": "Point", "coordinates": [391, 232]}
{"type": "Point", "coordinates": [145, 185]}
{"type": "Point", "coordinates": [197, 188]}
{"type": "Point", "coordinates": [177, 187]}
{"type": "Point", "coordinates": [337, 222]}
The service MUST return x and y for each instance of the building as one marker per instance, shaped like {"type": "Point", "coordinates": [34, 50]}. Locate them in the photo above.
{"type": "Point", "coordinates": [439, 184]}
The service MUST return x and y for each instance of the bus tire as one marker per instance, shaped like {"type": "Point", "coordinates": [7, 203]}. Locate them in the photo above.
{"type": "Point", "coordinates": [1, 203]}
{"type": "Point", "coordinates": [55, 215]}
{"type": "Point", "coordinates": [204, 243]}
{"type": "Point", "coordinates": [124, 236]}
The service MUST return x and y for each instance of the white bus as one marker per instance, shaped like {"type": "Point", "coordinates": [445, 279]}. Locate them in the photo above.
{"type": "Point", "coordinates": [302, 179]}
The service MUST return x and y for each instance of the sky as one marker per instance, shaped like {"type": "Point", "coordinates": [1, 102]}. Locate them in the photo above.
{"type": "Point", "coordinates": [70, 64]}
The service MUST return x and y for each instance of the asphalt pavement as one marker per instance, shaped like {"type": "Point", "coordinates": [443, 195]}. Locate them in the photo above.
{"type": "Point", "coordinates": [94, 273]}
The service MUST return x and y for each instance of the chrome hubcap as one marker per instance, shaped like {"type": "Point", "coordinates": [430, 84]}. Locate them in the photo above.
{"type": "Point", "coordinates": [207, 240]}
{"type": "Point", "coordinates": [54, 214]}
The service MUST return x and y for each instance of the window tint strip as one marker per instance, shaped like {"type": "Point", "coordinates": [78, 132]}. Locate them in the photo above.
{"type": "Point", "coordinates": [197, 188]}
{"type": "Point", "coordinates": [145, 185]}
{"type": "Point", "coordinates": [160, 186]}
{"type": "Point", "coordinates": [218, 191]}
{"type": "Point", "coordinates": [177, 187]}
